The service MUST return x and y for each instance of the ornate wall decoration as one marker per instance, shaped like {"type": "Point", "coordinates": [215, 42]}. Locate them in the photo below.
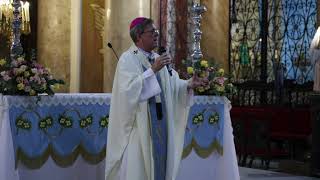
{"type": "Point", "coordinates": [291, 27]}
{"type": "Point", "coordinates": [171, 28]}
{"type": "Point", "coordinates": [93, 50]}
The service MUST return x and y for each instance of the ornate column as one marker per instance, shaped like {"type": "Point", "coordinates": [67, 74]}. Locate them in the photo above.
{"type": "Point", "coordinates": [75, 47]}
{"type": "Point", "coordinates": [16, 48]}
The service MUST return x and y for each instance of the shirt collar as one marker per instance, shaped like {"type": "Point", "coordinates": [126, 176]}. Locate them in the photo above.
{"type": "Point", "coordinates": [149, 55]}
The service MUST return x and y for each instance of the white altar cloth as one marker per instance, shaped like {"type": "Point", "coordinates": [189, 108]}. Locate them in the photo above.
{"type": "Point", "coordinates": [215, 167]}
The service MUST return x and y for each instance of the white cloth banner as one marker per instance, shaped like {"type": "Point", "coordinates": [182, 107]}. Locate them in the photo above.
{"type": "Point", "coordinates": [215, 167]}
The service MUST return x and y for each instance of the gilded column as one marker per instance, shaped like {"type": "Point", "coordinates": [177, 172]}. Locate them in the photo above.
{"type": "Point", "coordinates": [119, 14]}
{"type": "Point", "coordinates": [53, 41]}
{"type": "Point", "coordinates": [215, 28]}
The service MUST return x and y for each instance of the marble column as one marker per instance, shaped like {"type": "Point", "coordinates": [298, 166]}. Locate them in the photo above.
{"type": "Point", "coordinates": [215, 28]}
{"type": "Point", "coordinates": [53, 41]}
{"type": "Point", "coordinates": [75, 45]}
{"type": "Point", "coordinates": [119, 14]}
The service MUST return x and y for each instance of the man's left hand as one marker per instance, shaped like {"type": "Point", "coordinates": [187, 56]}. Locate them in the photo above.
{"type": "Point", "coordinates": [198, 82]}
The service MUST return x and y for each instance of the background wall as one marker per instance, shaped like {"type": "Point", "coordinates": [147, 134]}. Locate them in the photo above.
{"type": "Point", "coordinates": [119, 14]}
{"type": "Point", "coordinates": [215, 28]}
{"type": "Point", "coordinates": [53, 42]}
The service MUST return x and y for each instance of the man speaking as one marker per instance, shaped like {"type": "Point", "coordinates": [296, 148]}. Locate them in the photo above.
{"type": "Point", "coordinates": [149, 111]}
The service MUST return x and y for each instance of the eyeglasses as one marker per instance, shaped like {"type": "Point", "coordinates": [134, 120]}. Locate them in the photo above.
{"type": "Point", "coordinates": [152, 31]}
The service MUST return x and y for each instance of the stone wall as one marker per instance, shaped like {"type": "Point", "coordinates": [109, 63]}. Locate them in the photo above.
{"type": "Point", "coordinates": [53, 42]}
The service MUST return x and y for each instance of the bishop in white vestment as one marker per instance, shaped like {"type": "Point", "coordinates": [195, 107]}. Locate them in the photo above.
{"type": "Point", "coordinates": [148, 113]}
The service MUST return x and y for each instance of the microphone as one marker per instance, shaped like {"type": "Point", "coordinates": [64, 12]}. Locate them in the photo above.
{"type": "Point", "coordinates": [114, 52]}
{"type": "Point", "coordinates": [161, 51]}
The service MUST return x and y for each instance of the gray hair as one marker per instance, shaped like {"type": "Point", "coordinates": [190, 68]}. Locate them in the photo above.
{"type": "Point", "coordinates": [139, 29]}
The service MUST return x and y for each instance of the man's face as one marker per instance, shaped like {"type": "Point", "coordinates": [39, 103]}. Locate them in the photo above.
{"type": "Point", "coordinates": [149, 38]}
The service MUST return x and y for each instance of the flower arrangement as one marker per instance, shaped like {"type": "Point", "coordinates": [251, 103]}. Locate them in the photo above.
{"type": "Point", "coordinates": [218, 83]}
{"type": "Point", "coordinates": [19, 76]}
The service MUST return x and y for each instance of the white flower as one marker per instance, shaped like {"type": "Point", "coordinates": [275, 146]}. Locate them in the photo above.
{"type": "Point", "coordinates": [3, 73]}
{"type": "Point", "coordinates": [34, 70]}
{"type": "Point", "coordinates": [23, 68]}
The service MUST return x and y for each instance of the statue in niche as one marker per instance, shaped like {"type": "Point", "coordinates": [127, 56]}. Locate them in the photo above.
{"type": "Point", "coordinates": [315, 58]}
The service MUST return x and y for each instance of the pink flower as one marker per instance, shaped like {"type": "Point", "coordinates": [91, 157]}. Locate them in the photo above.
{"type": "Point", "coordinates": [6, 77]}
{"type": "Point", "coordinates": [40, 71]}
{"type": "Point", "coordinates": [38, 66]}
{"type": "Point", "coordinates": [220, 80]}
{"type": "Point", "coordinates": [25, 81]}
{"type": "Point", "coordinates": [16, 71]}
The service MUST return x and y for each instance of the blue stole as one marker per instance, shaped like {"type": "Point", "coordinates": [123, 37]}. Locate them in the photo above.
{"type": "Point", "coordinates": [159, 134]}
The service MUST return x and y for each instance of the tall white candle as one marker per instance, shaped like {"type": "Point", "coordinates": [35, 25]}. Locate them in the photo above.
{"type": "Point", "coordinates": [276, 55]}
{"type": "Point", "coordinates": [27, 11]}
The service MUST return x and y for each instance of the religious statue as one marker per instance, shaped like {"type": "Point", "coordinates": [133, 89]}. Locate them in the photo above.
{"type": "Point", "coordinates": [244, 51]}
{"type": "Point", "coordinates": [315, 58]}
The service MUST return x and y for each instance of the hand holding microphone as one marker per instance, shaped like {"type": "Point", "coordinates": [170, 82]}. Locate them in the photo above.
{"type": "Point", "coordinates": [163, 60]}
{"type": "Point", "coordinates": [160, 62]}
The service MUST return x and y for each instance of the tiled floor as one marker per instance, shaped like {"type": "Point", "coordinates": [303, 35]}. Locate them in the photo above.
{"type": "Point", "coordinates": [257, 174]}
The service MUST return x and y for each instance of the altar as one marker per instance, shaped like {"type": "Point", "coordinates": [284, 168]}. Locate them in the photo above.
{"type": "Point", "coordinates": [63, 137]}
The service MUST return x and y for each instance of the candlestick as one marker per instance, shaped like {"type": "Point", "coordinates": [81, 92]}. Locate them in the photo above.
{"type": "Point", "coordinates": [16, 48]}
{"type": "Point", "coordinates": [197, 10]}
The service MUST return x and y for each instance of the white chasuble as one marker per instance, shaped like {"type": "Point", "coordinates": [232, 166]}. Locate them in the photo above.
{"type": "Point", "coordinates": [129, 120]}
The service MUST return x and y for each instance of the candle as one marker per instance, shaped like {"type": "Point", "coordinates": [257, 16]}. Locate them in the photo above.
{"type": "Point", "coordinates": [27, 11]}
{"type": "Point", "coordinates": [276, 54]}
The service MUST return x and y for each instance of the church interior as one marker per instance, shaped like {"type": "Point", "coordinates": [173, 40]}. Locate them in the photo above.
{"type": "Point", "coordinates": [267, 50]}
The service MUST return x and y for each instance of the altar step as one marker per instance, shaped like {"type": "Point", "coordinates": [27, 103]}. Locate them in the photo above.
{"type": "Point", "coordinates": [258, 174]}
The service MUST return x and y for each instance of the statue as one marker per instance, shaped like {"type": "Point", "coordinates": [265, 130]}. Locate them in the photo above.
{"type": "Point", "coordinates": [315, 58]}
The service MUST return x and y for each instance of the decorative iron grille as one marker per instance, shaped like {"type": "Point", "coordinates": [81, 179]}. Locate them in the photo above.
{"type": "Point", "coordinates": [245, 44]}
{"type": "Point", "coordinates": [269, 50]}
{"type": "Point", "coordinates": [291, 26]}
